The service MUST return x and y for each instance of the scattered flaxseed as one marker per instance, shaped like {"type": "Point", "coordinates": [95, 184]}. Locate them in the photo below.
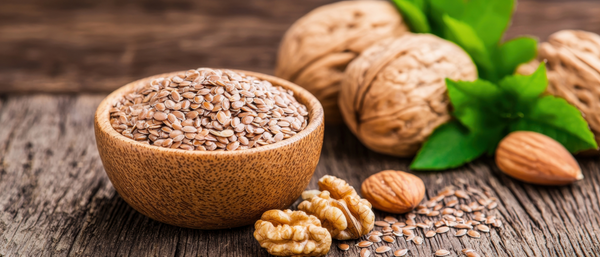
{"type": "Point", "coordinates": [374, 238]}
{"type": "Point", "coordinates": [363, 244]}
{"type": "Point", "coordinates": [461, 232]}
{"type": "Point", "coordinates": [430, 233]}
{"type": "Point", "coordinates": [483, 228]}
{"type": "Point", "coordinates": [365, 253]}
{"type": "Point", "coordinates": [389, 239]}
{"type": "Point", "coordinates": [473, 233]}
{"type": "Point", "coordinates": [380, 223]}
{"type": "Point", "coordinates": [383, 249]}
{"type": "Point", "coordinates": [344, 247]}
{"type": "Point", "coordinates": [390, 219]}
{"type": "Point", "coordinates": [418, 240]}
{"type": "Point", "coordinates": [442, 252]}
{"type": "Point", "coordinates": [401, 252]}
{"type": "Point", "coordinates": [441, 230]}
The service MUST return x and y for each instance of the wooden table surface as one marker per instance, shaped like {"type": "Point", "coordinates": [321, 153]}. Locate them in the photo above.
{"type": "Point", "coordinates": [56, 200]}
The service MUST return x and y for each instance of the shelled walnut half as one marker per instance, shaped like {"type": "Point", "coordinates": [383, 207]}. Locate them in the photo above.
{"type": "Point", "coordinates": [342, 212]}
{"type": "Point", "coordinates": [292, 233]}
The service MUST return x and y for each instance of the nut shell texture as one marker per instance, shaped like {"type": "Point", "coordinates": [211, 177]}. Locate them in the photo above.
{"type": "Point", "coordinates": [394, 94]}
{"type": "Point", "coordinates": [340, 209]}
{"type": "Point", "coordinates": [573, 68]}
{"type": "Point", "coordinates": [393, 191]}
{"type": "Point", "coordinates": [536, 158]}
{"type": "Point", "coordinates": [318, 47]}
{"type": "Point", "coordinates": [292, 233]}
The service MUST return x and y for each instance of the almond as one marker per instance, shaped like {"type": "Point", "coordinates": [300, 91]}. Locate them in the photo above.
{"type": "Point", "coordinates": [538, 159]}
{"type": "Point", "coordinates": [393, 191]}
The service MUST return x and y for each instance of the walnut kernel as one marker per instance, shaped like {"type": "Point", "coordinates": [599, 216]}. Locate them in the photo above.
{"type": "Point", "coordinates": [292, 233]}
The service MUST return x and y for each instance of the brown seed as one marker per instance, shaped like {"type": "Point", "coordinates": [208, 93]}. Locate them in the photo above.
{"type": "Point", "coordinates": [400, 224]}
{"type": "Point", "coordinates": [463, 226]}
{"type": "Point", "coordinates": [459, 213]}
{"type": "Point", "coordinates": [380, 223]}
{"type": "Point", "coordinates": [430, 233]}
{"type": "Point", "coordinates": [423, 225]}
{"type": "Point", "coordinates": [441, 230]}
{"type": "Point", "coordinates": [452, 203]}
{"type": "Point", "coordinates": [433, 213]}
{"type": "Point", "coordinates": [389, 239]}
{"type": "Point", "coordinates": [466, 250]}
{"type": "Point", "coordinates": [376, 233]}
{"type": "Point", "coordinates": [344, 247]}
{"type": "Point", "coordinates": [159, 116]}
{"type": "Point", "coordinates": [411, 227]}
{"type": "Point", "coordinates": [438, 207]}
{"type": "Point", "coordinates": [365, 253]}
{"type": "Point", "coordinates": [410, 216]}
{"type": "Point", "coordinates": [374, 238]}
{"type": "Point", "coordinates": [448, 211]}
{"type": "Point", "coordinates": [442, 252]}
{"type": "Point", "coordinates": [411, 222]}
{"type": "Point", "coordinates": [387, 230]}
{"type": "Point", "coordinates": [389, 219]}
{"type": "Point", "coordinates": [473, 233]}
{"type": "Point", "coordinates": [492, 205]}
{"type": "Point", "coordinates": [396, 228]}
{"type": "Point", "coordinates": [497, 223]}
{"type": "Point", "coordinates": [401, 252]}
{"type": "Point", "coordinates": [410, 238]}
{"type": "Point", "coordinates": [461, 194]}
{"type": "Point", "coordinates": [407, 232]}
{"type": "Point", "coordinates": [483, 228]}
{"type": "Point", "coordinates": [363, 244]}
{"type": "Point", "coordinates": [461, 232]}
{"type": "Point", "coordinates": [472, 254]}
{"type": "Point", "coordinates": [418, 240]}
{"type": "Point", "coordinates": [465, 208]}
{"type": "Point", "coordinates": [439, 223]}
{"type": "Point", "coordinates": [383, 249]}
{"type": "Point", "coordinates": [423, 211]}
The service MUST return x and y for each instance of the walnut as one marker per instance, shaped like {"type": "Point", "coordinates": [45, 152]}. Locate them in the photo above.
{"type": "Point", "coordinates": [316, 49]}
{"type": "Point", "coordinates": [292, 233]}
{"type": "Point", "coordinates": [394, 93]}
{"type": "Point", "coordinates": [343, 213]}
{"type": "Point", "coordinates": [573, 68]}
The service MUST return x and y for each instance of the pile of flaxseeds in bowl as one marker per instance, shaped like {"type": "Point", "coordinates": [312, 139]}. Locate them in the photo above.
{"type": "Point", "coordinates": [209, 110]}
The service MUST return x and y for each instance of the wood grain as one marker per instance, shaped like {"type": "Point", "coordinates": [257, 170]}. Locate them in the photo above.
{"type": "Point", "coordinates": [56, 199]}
{"type": "Point", "coordinates": [96, 46]}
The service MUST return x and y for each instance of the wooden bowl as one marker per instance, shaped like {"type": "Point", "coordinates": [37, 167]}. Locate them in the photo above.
{"type": "Point", "coordinates": [205, 189]}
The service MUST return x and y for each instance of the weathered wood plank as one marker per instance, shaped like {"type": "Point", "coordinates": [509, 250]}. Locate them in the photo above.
{"type": "Point", "coordinates": [57, 201]}
{"type": "Point", "coordinates": [97, 46]}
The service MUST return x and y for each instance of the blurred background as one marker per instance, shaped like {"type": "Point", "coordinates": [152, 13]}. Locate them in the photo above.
{"type": "Point", "coordinates": [67, 46]}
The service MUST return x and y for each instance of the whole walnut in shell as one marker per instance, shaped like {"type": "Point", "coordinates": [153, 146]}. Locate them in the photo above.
{"type": "Point", "coordinates": [573, 69]}
{"type": "Point", "coordinates": [342, 212]}
{"type": "Point", "coordinates": [393, 191]}
{"type": "Point", "coordinates": [292, 233]}
{"type": "Point", "coordinates": [394, 93]}
{"type": "Point", "coordinates": [316, 49]}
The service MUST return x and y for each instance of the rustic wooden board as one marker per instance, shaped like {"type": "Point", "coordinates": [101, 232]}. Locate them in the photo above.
{"type": "Point", "coordinates": [97, 46]}
{"type": "Point", "coordinates": [56, 200]}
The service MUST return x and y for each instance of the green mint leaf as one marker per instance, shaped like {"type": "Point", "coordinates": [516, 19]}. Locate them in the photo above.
{"type": "Point", "coordinates": [476, 104]}
{"type": "Point", "coordinates": [463, 35]}
{"type": "Point", "coordinates": [526, 88]}
{"type": "Point", "coordinates": [451, 145]}
{"type": "Point", "coordinates": [437, 9]}
{"type": "Point", "coordinates": [414, 15]}
{"type": "Point", "coordinates": [514, 52]}
{"type": "Point", "coordinates": [556, 118]}
{"type": "Point", "coordinates": [488, 18]}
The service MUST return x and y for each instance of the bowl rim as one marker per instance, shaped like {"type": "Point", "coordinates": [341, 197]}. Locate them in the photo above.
{"type": "Point", "coordinates": [314, 108]}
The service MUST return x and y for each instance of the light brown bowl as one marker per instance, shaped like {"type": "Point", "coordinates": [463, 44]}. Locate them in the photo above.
{"type": "Point", "coordinates": [204, 189]}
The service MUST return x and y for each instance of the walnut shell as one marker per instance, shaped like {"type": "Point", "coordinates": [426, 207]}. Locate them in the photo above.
{"type": "Point", "coordinates": [340, 209]}
{"type": "Point", "coordinates": [393, 191]}
{"type": "Point", "coordinates": [536, 158]}
{"type": "Point", "coordinates": [394, 93]}
{"type": "Point", "coordinates": [573, 68]}
{"type": "Point", "coordinates": [292, 233]}
{"type": "Point", "coordinates": [318, 47]}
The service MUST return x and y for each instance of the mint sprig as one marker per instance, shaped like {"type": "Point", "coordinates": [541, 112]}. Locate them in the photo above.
{"type": "Point", "coordinates": [475, 25]}
{"type": "Point", "coordinates": [485, 112]}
